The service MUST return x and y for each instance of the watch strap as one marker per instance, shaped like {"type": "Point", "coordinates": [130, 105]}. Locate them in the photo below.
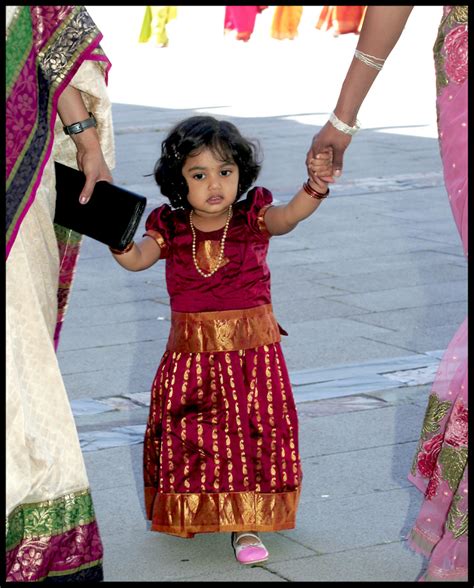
{"type": "Point", "coordinates": [80, 126]}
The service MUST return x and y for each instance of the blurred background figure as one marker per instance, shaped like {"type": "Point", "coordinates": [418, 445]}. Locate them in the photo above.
{"type": "Point", "coordinates": [241, 20]}
{"type": "Point", "coordinates": [285, 21]}
{"type": "Point", "coordinates": [341, 20]}
{"type": "Point", "coordinates": [154, 24]}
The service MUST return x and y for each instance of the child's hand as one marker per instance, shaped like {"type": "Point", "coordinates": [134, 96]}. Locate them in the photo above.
{"type": "Point", "coordinates": [318, 184]}
{"type": "Point", "coordinates": [320, 167]}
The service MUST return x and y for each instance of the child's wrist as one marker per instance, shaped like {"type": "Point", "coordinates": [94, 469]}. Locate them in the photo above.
{"type": "Point", "coordinates": [315, 193]}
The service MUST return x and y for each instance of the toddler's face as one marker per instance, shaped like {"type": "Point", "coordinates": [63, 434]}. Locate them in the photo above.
{"type": "Point", "coordinates": [212, 183]}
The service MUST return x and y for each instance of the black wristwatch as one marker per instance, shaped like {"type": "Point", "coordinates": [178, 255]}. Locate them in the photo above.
{"type": "Point", "coordinates": [80, 126]}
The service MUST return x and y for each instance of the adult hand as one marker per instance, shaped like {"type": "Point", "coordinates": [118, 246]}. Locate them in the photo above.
{"type": "Point", "coordinates": [92, 163]}
{"type": "Point", "coordinates": [329, 137]}
{"type": "Point", "coordinates": [89, 156]}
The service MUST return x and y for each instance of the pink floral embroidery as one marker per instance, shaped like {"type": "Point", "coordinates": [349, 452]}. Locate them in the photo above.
{"type": "Point", "coordinates": [20, 116]}
{"type": "Point", "coordinates": [456, 431]}
{"type": "Point", "coordinates": [455, 48]}
{"type": "Point", "coordinates": [26, 105]}
{"type": "Point", "coordinates": [433, 484]}
{"type": "Point", "coordinates": [429, 455]}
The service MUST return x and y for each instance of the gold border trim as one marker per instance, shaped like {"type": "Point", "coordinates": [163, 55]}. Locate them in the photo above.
{"type": "Point", "coordinates": [227, 330]}
{"type": "Point", "coordinates": [184, 515]}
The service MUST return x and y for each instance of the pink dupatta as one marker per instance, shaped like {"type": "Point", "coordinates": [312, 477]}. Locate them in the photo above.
{"type": "Point", "coordinates": [440, 465]}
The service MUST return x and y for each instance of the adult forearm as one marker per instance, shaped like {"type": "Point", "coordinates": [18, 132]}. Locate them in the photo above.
{"type": "Point", "coordinates": [380, 32]}
{"type": "Point", "coordinates": [71, 107]}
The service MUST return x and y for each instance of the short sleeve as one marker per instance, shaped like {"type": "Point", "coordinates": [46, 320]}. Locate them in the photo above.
{"type": "Point", "coordinates": [159, 226]}
{"type": "Point", "coordinates": [258, 202]}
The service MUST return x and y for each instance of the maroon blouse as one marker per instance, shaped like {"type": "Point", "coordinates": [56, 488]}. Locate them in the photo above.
{"type": "Point", "coordinates": [242, 280]}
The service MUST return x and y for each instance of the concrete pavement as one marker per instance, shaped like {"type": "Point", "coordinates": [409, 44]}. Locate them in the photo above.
{"type": "Point", "coordinates": [370, 289]}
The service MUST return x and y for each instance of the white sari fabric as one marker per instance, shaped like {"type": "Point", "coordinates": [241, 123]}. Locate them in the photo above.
{"type": "Point", "coordinates": [45, 473]}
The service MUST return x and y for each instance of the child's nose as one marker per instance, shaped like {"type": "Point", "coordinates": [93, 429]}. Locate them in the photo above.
{"type": "Point", "coordinates": [214, 181]}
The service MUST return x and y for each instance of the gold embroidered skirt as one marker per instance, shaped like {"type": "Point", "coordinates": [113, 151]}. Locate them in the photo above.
{"type": "Point", "coordinates": [221, 444]}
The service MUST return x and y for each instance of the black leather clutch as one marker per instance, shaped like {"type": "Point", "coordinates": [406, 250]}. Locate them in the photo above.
{"type": "Point", "coordinates": [111, 216]}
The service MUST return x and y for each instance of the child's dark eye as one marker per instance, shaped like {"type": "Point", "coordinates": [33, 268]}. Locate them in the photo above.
{"type": "Point", "coordinates": [198, 176]}
{"type": "Point", "coordinates": [226, 172]}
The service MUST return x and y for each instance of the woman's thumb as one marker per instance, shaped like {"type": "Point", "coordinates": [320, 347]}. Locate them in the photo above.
{"type": "Point", "coordinates": [87, 190]}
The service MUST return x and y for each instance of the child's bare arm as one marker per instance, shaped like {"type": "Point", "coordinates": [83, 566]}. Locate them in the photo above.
{"type": "Point", "coordinates": [141, 256]}
{"type": "Point", "coordinates": [284, 218]}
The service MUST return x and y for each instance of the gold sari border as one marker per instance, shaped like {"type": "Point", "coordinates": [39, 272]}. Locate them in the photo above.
{"type": "Point", "coordinates": [184, 515]}
{"type": "Point", "coordinates": [49, 518]}
{"type": "Point", "coordinates": [227, 330]}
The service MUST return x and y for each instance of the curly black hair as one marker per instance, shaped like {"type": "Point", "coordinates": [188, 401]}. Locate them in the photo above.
{"type": "Point", "coordinates": [192, 135]}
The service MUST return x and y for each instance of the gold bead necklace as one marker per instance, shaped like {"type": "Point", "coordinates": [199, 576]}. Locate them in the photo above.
{"type": "Point", "coordinates": [221, 252]}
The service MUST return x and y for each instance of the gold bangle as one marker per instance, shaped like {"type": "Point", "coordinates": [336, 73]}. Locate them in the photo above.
{"type": "Point", "coordinates": [122, 251]}
{"type": "Point", "coordinates": [312, 192]}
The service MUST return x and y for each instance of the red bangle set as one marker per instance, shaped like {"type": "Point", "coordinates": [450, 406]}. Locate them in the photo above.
{"type": "Point", "coordinates": [311, 192]}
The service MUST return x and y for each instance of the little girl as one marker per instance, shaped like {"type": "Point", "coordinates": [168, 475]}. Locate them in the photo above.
{"type": "Point", "coordinates": [221, 443]}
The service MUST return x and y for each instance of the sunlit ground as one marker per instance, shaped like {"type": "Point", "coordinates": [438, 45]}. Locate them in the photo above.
{"type": "Point", "coordinates": [203, 69]}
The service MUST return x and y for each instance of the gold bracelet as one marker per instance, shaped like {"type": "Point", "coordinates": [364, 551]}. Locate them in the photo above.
{"type": "Point", "coordinates": [122, 251]}
{"type": "Point", "coordinates": [312, 192]}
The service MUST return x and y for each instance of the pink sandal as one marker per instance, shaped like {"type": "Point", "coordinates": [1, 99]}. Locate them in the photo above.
{"type": "Point", "coordinates": [251, 553]}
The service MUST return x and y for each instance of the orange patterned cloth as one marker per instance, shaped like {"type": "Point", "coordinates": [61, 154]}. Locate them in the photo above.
{"type": "Point", "coordinates": [285, 21]}
{"type": "Point", "coordinates": [341, 19]}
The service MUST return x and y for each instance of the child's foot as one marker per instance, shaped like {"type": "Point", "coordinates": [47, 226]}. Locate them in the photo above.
{"type": "Point", "coordinates": [248, 548]}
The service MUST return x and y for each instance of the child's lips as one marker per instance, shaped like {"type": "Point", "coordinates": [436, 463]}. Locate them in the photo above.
{"type": "Point", "coordinates": [215, 200]}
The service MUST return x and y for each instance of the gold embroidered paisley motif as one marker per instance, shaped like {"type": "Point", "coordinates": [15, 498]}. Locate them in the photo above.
{"type": "Point", "coordinates": [457, 520]}
{"type": "Point", "coordinates": [453, 461]}
{"type": "Point", "coordinates": [208, 254]}
{"type": "Point", "coordinates": [435, 413]}
{"type": "Point", "coordinates": [459, 14]}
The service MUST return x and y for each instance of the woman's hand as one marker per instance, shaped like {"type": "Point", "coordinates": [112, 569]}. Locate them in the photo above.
{"type": "Point", "coordinates": [328, 138]}
{"type": "Point", "coordinates": [90, 158]}
{"type": "Point", "coordinates": [91, 162]}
